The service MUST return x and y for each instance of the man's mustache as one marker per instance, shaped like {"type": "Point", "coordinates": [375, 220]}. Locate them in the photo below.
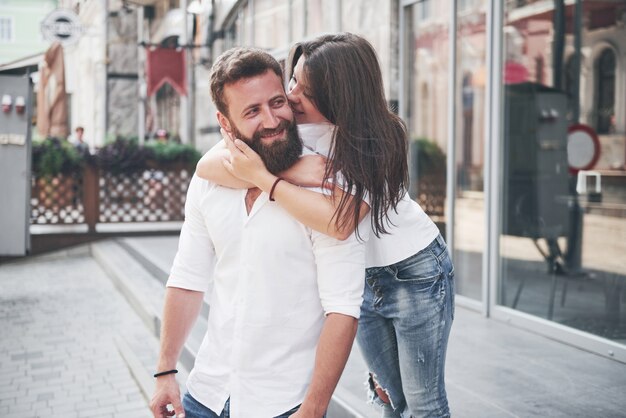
{"type": "Point", "coordinates": [284, 125]}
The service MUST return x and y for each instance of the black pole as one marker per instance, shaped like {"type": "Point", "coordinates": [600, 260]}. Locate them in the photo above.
{"type": "Point", "coordinates": [573, 257]}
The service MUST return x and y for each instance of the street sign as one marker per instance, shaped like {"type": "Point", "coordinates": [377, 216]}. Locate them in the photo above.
{"type": "Point", "coordinates": [62, 25]}
{"type": "Point", "coordinates": [583, 148]}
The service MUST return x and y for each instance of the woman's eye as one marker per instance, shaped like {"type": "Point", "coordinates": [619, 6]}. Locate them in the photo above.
{"type": "Point", "coordinates": [292, 84]}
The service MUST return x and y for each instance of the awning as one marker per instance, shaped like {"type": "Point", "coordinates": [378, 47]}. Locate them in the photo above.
{"type": "Point", "coordinates": [172, 26]}
{"type": "Point", "coordinates": [20, 66]}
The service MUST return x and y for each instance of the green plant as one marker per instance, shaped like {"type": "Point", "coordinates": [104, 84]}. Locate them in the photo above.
{"type": "Point", "coordinates": [122, 156]}
{"type": "Point", "coordinates": [125, 155]}
{"type": "Point", "coordinates": [54, 156]}
{"type": "Point", "coordinates": [428, 157]}
{"type": "Point", "coordinates": [169, 152]}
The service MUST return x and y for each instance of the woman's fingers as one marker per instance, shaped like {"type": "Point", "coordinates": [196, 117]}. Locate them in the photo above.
{"type": "Point", "coordinates": [227, 164]}
{"type": "Point", "coordinates": [226, 135]}
{"type": "Point", "coordinates": [243, 147]}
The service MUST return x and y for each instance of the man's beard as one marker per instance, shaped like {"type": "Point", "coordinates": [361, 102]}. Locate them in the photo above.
{"type": "Point", "coordinates": [280, 154]}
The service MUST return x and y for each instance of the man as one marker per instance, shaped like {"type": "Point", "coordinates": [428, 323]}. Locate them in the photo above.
{"type": "Point", "coordinates": [285, 299]}
{"type": "Point", "coordinates": [79, 141]}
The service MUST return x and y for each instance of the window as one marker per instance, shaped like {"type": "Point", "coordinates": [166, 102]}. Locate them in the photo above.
{"type": "Point", "coordinates": [424, 9]}
{"type": "Point", "coordinates": [605, 91]}
{"type": "Point", "coordinates": [6, 29]}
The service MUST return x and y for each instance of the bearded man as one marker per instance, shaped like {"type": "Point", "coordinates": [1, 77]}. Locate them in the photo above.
{"type": "Point", "coordinates": [285, 299]}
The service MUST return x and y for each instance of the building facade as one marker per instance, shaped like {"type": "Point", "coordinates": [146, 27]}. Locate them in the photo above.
{"type": "Point", "coordinates": [19, 28]}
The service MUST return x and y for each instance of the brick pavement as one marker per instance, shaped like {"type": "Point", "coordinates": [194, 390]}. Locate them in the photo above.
{"type": "Point", "coordinates": [60, 319]}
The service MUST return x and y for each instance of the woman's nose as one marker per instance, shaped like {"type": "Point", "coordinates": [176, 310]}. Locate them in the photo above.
{"type": "Point", "coordinates": [293, 97]}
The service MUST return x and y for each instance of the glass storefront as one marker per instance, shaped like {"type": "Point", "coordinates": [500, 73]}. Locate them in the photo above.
{"type": "Point", "coordinates": [552, 151]}
{"type": "Point", "coordinates": [426, 41]}
{"type": "Point", "coordinates": [469, 202]}
{"type": "Point", "coordinates": [563, 230]}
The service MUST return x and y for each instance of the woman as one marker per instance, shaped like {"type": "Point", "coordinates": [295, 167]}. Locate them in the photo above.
{"type": "Point", "coordinates": [336, 92]}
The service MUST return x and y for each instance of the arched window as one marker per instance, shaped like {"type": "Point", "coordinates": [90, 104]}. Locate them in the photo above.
{"type": "Point", "coordinates": [605, 91]}
{"type": "Point", "coordinates": [570, 76]}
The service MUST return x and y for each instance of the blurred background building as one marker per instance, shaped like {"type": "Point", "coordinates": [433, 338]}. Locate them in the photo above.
{"type": "Point", "coordinates": [514, 109]}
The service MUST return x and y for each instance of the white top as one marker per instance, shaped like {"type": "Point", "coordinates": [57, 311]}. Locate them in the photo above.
{"type": "Point", "coordinates": [410, 229]}
{"type": "Point", "coordinates": [273, 281]}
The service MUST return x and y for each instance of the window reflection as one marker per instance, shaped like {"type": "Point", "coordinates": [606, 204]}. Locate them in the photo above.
{"type": "Point", "coordinates": [564, 235]}
{"type": "Point", "coordinates": [427, 41]}
{"type": "Point", "coordinates": [469, 203]}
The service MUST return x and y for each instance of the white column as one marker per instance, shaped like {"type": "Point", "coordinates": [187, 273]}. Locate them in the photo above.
{"type": "Point", "coordinates": [141, 54]}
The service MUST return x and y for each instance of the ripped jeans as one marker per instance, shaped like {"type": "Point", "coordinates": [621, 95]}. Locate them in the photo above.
{"type": "Point", "coordinates": [407, 312]}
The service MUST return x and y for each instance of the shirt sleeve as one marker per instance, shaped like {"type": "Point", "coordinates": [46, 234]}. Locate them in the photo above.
{"type": "Point", "coordinates": [340, 273]}
{"type": "Point", "coordinates": [195, 259]}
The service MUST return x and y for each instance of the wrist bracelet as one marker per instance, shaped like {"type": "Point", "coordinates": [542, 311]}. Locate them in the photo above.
{"type": "Point", "coordinates": [173, 371]}
{"type": "Point", "coordinates": [273, 187]}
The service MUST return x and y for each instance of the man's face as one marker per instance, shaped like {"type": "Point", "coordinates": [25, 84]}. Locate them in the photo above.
{"type": "Point", "coordinates": [259, 114]}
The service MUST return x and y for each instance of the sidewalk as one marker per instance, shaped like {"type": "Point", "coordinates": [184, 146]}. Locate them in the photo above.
{"type": "Point", "coordinates": [74, 346]}
{"type": "Point", "coordinates": [63, 323]}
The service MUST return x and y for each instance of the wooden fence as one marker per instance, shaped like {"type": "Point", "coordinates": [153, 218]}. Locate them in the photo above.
{"type": "Point", "coordinates": [95, 196]}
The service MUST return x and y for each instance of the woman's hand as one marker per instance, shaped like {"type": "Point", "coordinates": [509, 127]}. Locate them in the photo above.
{"type": "Point", "coordinates": [243, 163]}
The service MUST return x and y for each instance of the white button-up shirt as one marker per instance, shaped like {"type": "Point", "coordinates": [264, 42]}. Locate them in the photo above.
{"type": "Point", "coordinates": [273, 281]}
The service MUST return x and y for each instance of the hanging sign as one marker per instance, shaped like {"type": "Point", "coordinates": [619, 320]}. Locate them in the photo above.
{"type": "Point", "coordinates": [63, 26]}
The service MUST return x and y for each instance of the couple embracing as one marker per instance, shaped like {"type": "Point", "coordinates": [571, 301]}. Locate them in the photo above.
{"type": "Point", "coordinates": [301, 221]}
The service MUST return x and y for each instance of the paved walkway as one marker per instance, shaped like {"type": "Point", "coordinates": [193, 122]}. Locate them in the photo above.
{"type": "Point", "coordinates": [62, 324]}
{"type": "Point", "coordinates": [67, 333]}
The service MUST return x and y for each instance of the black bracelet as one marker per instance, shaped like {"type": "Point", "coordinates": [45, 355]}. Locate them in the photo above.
{"type": "Point", "coordinates": [273, 187]}
{"type": "Point", "coordinates": [173, 371]}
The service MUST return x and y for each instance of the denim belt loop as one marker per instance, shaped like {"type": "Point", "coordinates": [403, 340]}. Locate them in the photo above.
{"type": "Point", "coordinates": [438, 246]}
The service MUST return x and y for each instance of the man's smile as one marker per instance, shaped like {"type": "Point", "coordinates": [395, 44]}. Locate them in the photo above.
{"type": "Point", "coordinates": [271, 136]}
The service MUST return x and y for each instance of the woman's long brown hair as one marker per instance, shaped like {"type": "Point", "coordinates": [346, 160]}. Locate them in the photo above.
{"type": "Point", "coordinates": [370, 145]}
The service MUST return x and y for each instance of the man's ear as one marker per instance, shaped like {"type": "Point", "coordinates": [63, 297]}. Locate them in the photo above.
{"type": "Point", "coordinates": [224, 122]}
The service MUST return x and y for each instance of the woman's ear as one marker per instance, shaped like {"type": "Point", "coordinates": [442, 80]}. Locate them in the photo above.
{"type": "Point", "coordinates": [224, 122]}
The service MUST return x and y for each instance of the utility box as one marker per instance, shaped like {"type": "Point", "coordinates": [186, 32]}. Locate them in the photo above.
{"type": "Point", "coordinates": [536, 177]}
{"type": "Point", "coordinates": [15, 161]}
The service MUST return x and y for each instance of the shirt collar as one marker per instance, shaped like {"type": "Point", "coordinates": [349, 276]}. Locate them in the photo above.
{"type": "Point", "coordinates": [317, 136]}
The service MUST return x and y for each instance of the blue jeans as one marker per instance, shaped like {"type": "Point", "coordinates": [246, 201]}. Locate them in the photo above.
{"type": "Point", "coordinates": [405, 322]}
{"type": "Point", "coordinates": [194, 409]}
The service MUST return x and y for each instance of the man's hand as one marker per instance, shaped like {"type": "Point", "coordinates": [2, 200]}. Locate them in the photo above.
{"type": "Point", "coordinates": [332, 353]}
{"type": "Point", "coordinates": [166, 392]}
{"type": "Point", "coordinates": [301, 413]}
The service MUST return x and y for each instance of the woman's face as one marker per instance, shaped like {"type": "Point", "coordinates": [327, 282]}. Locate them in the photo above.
{"type": "Point", "coordinates": [303, 107]}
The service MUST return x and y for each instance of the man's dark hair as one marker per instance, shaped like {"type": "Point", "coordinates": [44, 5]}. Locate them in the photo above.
{"type": "Point", "coordinates": [236, 64]}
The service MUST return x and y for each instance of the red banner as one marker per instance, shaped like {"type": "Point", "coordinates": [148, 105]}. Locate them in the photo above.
{"type": "Point", "coordinates": [166, 65]}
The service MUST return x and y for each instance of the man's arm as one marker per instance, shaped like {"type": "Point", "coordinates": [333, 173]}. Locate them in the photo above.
{"type": "Point", "coordinates": [190, 276]}
{"type": "Point", "coordinates": [179, 314]}
{"type": "Point", "coordinates": [340, 277]}
{"type": "Point", "coordinates": [331, 356]}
